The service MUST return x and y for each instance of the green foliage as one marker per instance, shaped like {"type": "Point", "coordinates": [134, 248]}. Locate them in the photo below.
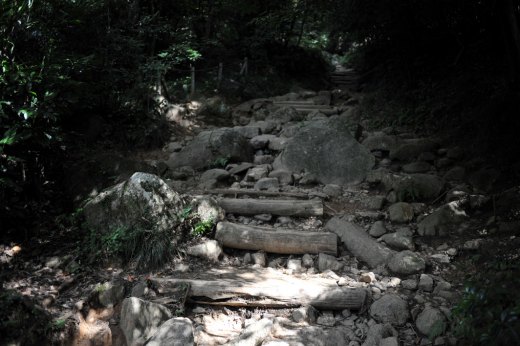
{"type": "Point", "coordinates": [149, 249]}
{"type": "Point", "coordinates": [220, 162]}
{"type": "Point", "coordinates": [438, 328]}
{"type": "Point", "coordinates": [489, 312]}
{"type": "Point", "coordinates": [58, 325]}
{"type": "Point", "coordinates": [202, 227]}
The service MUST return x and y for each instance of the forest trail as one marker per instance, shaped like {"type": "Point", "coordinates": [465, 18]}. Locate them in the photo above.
{"type": "Point", "coordinates": [327, 233]}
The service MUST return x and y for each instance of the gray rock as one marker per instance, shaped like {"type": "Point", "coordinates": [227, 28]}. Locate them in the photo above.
{"type": "Point", "coordinates": [382, 142]}
{"type": "Point", "coordinates": [174, 332]}
{"type": "Point", "coordinates": [254, 334]}
{"type": "Point", "coordinates": [391, 341]}
{"type": "Point", "coordinates": [457, 173]}
{"type": "Point", "coordinates": [426, 283]}
{"type": "Point", "coordinates": [367, 277]}
{"type": "Point", "coordinates": [410, 284]}
{"type": "Point", "coordinates": [442, 221]}
{"type": "Point", "coordinates": [398, 241]}
{"type": "Point", "coordinates": [259, 259]}
{"type": "Point", "coordinates": [326, 149]}
{"type": "Point", "coordinates": [263, 159]}
{"type": "Point", "coordinates": [284, 115]}
{"type": "Point", "coordinates": [333, 190]}
{"type": "Point", "coordinates": [139, 290]}
{"type": "Point", "coordinates": [390, 309]}
{"type": "Point", "coordinates": [284, 177]}
{"type": "Point", "coordinates": [247, 259]}
{"type": "Point", "coordinates": [247, 131]}
{"type": "Point", "coordinates": [210, 146]}
{"type": "Point", "coordinates": [375, 202]}
{"type": "Point", "coordinates": [377, 229]}
{"type": "Point", "coordinates": [256, 173]}
{"type": "Point", "coordinates": [261, 141]}
{"type": "Point", "coordinates": [140, 319]}
{"type": "Point", "coordinates": [307, 261]}
{"type": "Point", "coordinates": [411, 148]}
{"type": "Point", "coordinates": [328, 262]}
{"type": "Point", "coordinates": [426, 156]}
{"type": "Point", "coordinates": [109, 294]}
{"type": "Point", "coordinates": [359, 243]}
{"type": "Point", "coordinates": [455, 153]}
{"type": "Point", "coordinates": [431, 321]}
{"type": "Point", "coordinates": [216, 174]}
{"type": "Point", "coordinates": [174, 147]}
{"type": "Point", "coordinates": [208, 209]}
{"type": "Point", "coordinates": [240, 168]}
{"type": "Point", "coordinates": [265, 126]}
{"type": "Point", "coordinates": [294, 265]}
{"type": "Point", "coordinates": [278, 143]}
{"type": "Point", "coordinates": [406, 262]}
{"type": "Point", "coordinates": [210, 250]}
{"type": "Point", "coordinates": [270, 184]}
{"type": "Point", "coordinates": [417, 167]}
{"type": "Point", "coordinates": [473, 244]}
{"type": "Point", "coordinates": [401, 212]}
{"type": "Point", "coordinates": [305, 313]}
{"type": "Point", "coordinates": [414, 187]}
{"type": "Point", "coordinates": [326, 319]}
{"type": "Point", "coordinates": [264, 217]}
{"type": "Point", "coordinates": [144, 201]}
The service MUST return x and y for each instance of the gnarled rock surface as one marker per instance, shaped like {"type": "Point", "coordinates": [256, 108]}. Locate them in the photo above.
{"type": "Point", "coordinates": [327, 150]}
{"type": "Point", "coordinates": [144, 201]}
{"type": "Point", "coordinates": [209, 146]}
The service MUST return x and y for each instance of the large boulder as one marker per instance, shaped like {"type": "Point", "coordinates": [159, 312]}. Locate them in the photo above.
{"type": "Point", "coordinates": [414, 187]}
{"type": "Point", "coordinates": [431, 321]}
{"type": "Point", "coordinates": [174, 332]}
{"type": "Point", "coordinates": [406, 263]}
{"type": "Point", "coordinates": [443, 220]}
{"type": "Point", "coordinates": [411, 148]}
{"type": "Point", "coordinates": [141, 319]}
{"type": "Point", "coordinates": [144, 201]}
{"type": "Point", "coordinates": [390, 309]}
{"type": "Point", "coordinates": [210, 146]}
{"type": "Point", "coordinates": [327, 150]}
{"type": "Point", "coordinates": [383, 142]}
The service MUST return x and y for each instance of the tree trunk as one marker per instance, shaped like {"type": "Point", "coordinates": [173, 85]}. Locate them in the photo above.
{"type": "Point", "coordinates": [268, 284]}
{"type": "Point", "coordinates": [272, 240]}
{"type": "Point", "coordinates": [273, 206]}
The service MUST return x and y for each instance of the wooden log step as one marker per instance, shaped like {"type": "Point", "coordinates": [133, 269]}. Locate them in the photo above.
{"type": "Point", "coordinates": [309, 106]}
{"type": "Point", "coordinates": [256, 284]}
{"type": "Point", "coordinates": [280, 207]}
{"type": "Point", "coordinates": [284, 103]}
{"type": "Point", "coordinates": [273, 240]}
{"type": "Point", "coordinates": [250, 192]}
{"type": "Point", "coordinates": [330, 111]}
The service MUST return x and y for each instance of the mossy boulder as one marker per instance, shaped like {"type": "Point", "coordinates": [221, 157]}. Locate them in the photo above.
{"type": "Point", "coordinates": [144, 201]}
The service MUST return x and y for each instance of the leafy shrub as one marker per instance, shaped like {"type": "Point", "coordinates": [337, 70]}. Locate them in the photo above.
{"type": "Point", "coordinates": [489, 312]}
{"type": "Point", "coordinates": [147, 248]}
{"type": "Point", "coordinates": [202, 227]}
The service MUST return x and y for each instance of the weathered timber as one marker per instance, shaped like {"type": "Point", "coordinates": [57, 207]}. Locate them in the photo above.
{"type": "Point", "coordinates": [253, 193]}
{"type": "Point", "coordinates": [359, 243]}
{"type": "Point", "coordinates": [245, 237]}
{"type": "Point", "coordinates": [281, 207]}
{"type": "Point", "coordinates": [268, 284]}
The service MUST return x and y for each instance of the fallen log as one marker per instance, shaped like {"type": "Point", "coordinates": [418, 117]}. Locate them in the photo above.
{"type": "Point", "coordinates": [245, 237]}
{"type": "Point", "coordinates": [254, 193]}
{"type": "Point", "coordinates": [359, 243]}
{"type": "Point", "coordinates": [268, 284]}
{"type": "Point", "coordinates": [272, 206]}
